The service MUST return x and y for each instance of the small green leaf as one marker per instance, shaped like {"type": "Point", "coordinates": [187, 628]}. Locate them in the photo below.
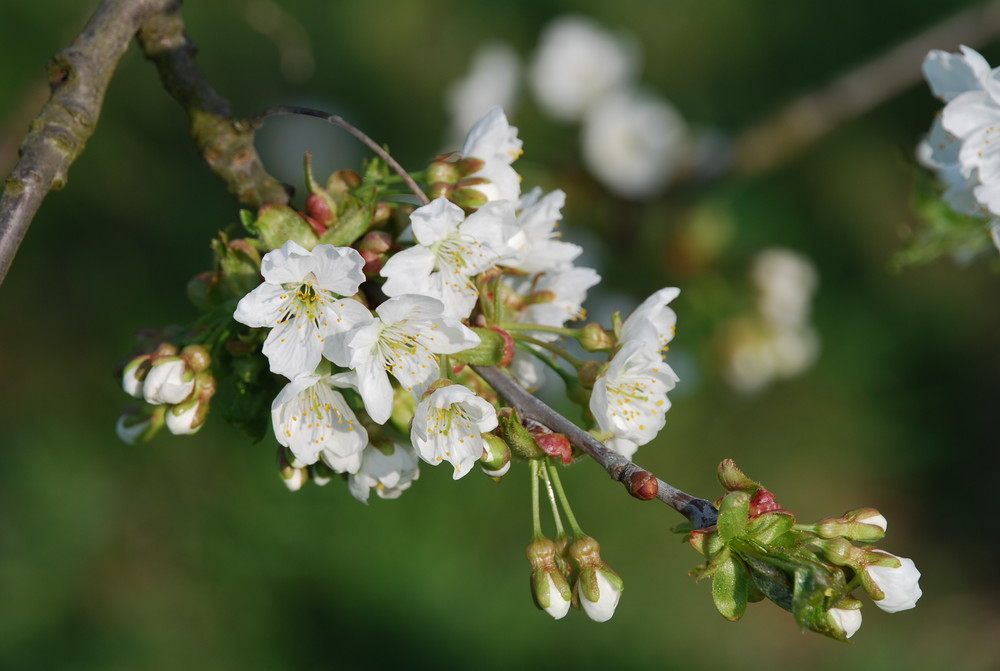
{"type": "Point", "coordinates": [730, 587]}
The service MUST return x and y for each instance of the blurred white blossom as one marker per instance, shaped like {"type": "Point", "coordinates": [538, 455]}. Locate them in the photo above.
{"type": "Point", "coordinates": [633, 142]}
{"type": "Point", "coordinates": [492, 81]}
{"type": "Point", "coordinates": [578, 62]}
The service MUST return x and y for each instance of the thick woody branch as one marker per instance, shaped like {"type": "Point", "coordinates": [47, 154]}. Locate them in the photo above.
{"type": "Point", "coordinates": [225, 144]}
{"type": "Point", "coordinates": [78, 78]}
{"type": "Point", "coordinates": [639, 482]}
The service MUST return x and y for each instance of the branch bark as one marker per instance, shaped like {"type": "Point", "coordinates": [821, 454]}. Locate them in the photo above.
{"type": "Point", "coordinates": [639, 482]}
{"type": "Point", "coordinates": [79, 78]}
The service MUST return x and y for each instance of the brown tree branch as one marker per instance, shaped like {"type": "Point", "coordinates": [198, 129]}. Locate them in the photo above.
{"type": "Point", "coordinates": [639, 482]}
{"type": "Point", "coordinates": [79, 78]}
{"type": "Point", "coordinates": [224, 143]}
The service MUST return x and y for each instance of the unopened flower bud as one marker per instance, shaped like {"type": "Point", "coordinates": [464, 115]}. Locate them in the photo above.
{"type": "Point", "coordinates": [170, 380]}
{"type": "Point", "coordinates": [472, 194]}
{"type": "Point", "coordinates": [517, 437]}
{"type": "Point", "coordinates": [495, 348]}
{"type": "Point", "coordinates": [320, 473]}
{"type": "Point", "coordinates": [135, 373]}
{"type": "Point", "coordinates": [893, 582]}
{"type": "Point", "coordinates": [496, 457]}
{"type": "Point", "coordinates": [373, 249]}
{"type": "Point", "coordinates": [589, 372]}
{"type": "Point", "coordinates": [140, 423]}
{"type": "Point", "coordinates": [446, 172]}
{"type": "Point", "coordinates": [733, 479]}
{"type": "Point", "coordinates": [553, 444]}
{"type": "Point", "coordinates": [197, 357]}
{"type": "Point", "coordinates": [595, 339]}
{"type": "Point", "coordinates": [343, 181]}
{"type": "Point", "coordinates": [865, 524]}
{"type": "Point", "coordinates": [188, 417]}
{"type": "Point", "coordinates": [549, 587]}
{"type": "Point", "coordinates": [598, 588]}
{"type": "Point", "coordinates": [437, 190]}
{"type": "Point", "coordinates": [845, 622]}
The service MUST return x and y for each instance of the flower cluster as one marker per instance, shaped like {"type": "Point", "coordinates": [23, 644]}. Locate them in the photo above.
{"type": "Point", "coordinates": [962, 146]}
{"type": "Point", "coordinates": [632, 140]}
{"type": "Point", "coordinates": [758, 550]}
{"type": "Point", "coordinates": [776, 340]}
{"type": "Point", "coordinates": [354, 326]}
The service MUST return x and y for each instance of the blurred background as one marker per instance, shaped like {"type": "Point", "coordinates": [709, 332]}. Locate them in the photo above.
{"type": "Point", "coordinates": [190, 553]}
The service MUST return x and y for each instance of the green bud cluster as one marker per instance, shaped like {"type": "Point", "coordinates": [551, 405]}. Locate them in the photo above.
{"type": "Point", "coordinates": [757, 551]}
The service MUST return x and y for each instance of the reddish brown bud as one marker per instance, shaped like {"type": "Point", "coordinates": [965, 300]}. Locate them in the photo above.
{"type": "Point", "coordinates": [319, 209]}
{"type": "Point", "coordinates": [318, 228]}
{"type": "Point", "coordinates": [554, 445]}
{"type": "Point", "coordinates": [642, 485]}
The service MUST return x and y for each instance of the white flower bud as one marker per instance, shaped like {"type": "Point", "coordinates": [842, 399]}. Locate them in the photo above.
{"type": "Point", "coordinates": [168, 382]}
{"type": "Point", "coordinates": [607, 600]}
{"type": "Point", "coordinates": [899, 584]}
{"type": "Point", "coordinates": [847, 620]}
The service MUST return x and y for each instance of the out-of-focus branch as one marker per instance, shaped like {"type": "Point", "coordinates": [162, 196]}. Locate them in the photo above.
{"type": "Point", "coordinates": [639, 482]}
{"type": "Point", "coordinates": [78, 78]}
{"type": "Point", "coordinates": [226, 145]}
{"type": "Point", "coordinates": [808, 118]}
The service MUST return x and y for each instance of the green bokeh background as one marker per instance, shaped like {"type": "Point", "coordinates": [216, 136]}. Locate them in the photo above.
{"type": "Point", "coordinates": [189, 552]}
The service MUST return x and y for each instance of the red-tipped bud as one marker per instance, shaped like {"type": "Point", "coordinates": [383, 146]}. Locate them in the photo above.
{"type": "Point", "coordinates": [553, 444]}
{"type": "Point", "coordinates": [318, 207]}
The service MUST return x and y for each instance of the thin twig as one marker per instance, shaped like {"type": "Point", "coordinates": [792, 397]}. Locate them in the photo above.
{"type": "Point", "coordinates": [639, 482]}
{"type": "Point", "coordinates": [339, 121]}
{"type": "Point", "coordinates": [78, 79]}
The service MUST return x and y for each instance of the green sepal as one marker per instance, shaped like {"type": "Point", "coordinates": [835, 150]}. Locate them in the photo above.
{"type": "Point", "coordinates": [239, 262]}
{"type": "Point", "coordinates": [733, 479]}
{"type": "Point", "coordinates": [730, 585]}
{"type": "Point", "coordinates": [733, 514]}
{"type": "Point", "coordinates": [769, 527]}
{"type": "Point", "coordinates": [517, 437]}
{"type": "Point", "coordinates": [493, 349]}
{"type": "Point", "coordinates": [350, 225]}
{"type": "Point", "coordinates": [795, 581]}
{"type": "Point", "coordinates": [276, 224]}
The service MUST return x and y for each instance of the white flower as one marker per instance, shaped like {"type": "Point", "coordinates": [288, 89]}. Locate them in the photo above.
{"type": "Point", "coordinates": [448, 425]}
{"type": "Point", "coordinates": [389, 474]}
{"type": "Point", "coordinates": [536, 239]}
{"type": "Point", "coordinates": [562, 295]}
{"type": "Point", "coordinates": [939, 152]}
{"type": "Point", "coordinates": [950, 75]}
{"type": "Point", "coordinates": [756, 353]}
{"type": "Point", "coordinates": [301, 301]}
{"type": "Point", "coordinates": [578, 61]}
{"type": "Point", "coordinates": [630, 399]}
{"type": "Point", "coordinates": [554, 298]}
{"type": "Point", "coordinates": [653, 311]}
{"type": "Point", "coordinates": [632, 143]}
{"type": "Point", "coordinates": [404, 340]}
{"type": "Point", "coordinates": [168, 381]}
{"type": "Point", "coordinates": [848, 620]}
{"type": "Point", "coordinates": [491, 81]}
{"type": "Point", "coordinates": [607, 600]}
{"type": "Point", "coordinates": [899, 584]}
{"type": "Point", "coordinates": [451, 249]}
{"type": "Point", "coordinates": [313, 420]}
{"type": "Point", "coordinates": [494, 141]}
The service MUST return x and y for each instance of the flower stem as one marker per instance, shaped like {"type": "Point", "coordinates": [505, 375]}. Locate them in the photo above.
{"type": "Point", "coordinates": [553, 479]}
{"type": "Point", "coordinates": [518, 326]}
{"type": "Point", "coordinates": [558, 351]}
{"type": "Point", "coordinates": [536, 521]}
{"type": "Point", "coordinates": [339, 121]}
{"type": "Point", "coordinates": [560, 531]}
